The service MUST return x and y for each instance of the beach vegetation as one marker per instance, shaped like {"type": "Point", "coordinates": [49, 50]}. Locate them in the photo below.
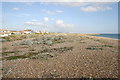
{"type": "Point", "coordinates": [32, 49]}
{"type": "Point", "coordinates": [37, 39]}
{"type": "Point", "coordinates": [27, 42]}
{"type": "Point", "coordinates": [82, 42]}
{"type": "Point", "coordinates": [15, 43]}
{"type": "Point", "coordinates": [27, 55]}
{"type": "Point", "coordinates": [96, 40]}
{"type": "Point", "coordinates": [15, 37]}
{"type": "Point", "coordinates": [57, 49]}
{"type": "Point", "coordinates": [2, 40]}
{"type": "Point", "coordinates": [94, 48]}
{"type": "Point", "coordinates": [7, 52]}
{"type": "Point", "coordinates": [43, 56]}
{"type": "Point", "coordinates": [5, 48]}
{"type": "Point", "coordinates": [49, 42]}
{"type": "Point", "coordinates": [107, 46]}
{"type": "Point", "coordinates": [14, 57]}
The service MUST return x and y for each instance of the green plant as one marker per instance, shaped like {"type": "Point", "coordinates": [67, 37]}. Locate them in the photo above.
{"type": "Point", "coordinates": [43, 56]}
{"type": "Point", "coordinates": [107, 46]}
{"type": "Point", "coordinates": [7, 52]}
{"type": "Point", "coordinates": [32, 49]}
{"type": "Point", "coordinates": [27, 42]}
{"type": "Point", "coordinates": [58, 41]}
{"type": "Point", "coordinates": [15, 44]}
{"type": "Point", "coordinates": [17, 51]}
{"type": "Point", "coordinates": [82, 42]}
{"type": "Point", "coordinates": [57, 49]}
{"type": "Point", "coordinates": [57, 38]}
{"type": "Point", "coordinates": [39, 56]}
{"type": "Point", "coordinates": [49, 42]}
{"type": "Point", "coordinates": [81, 39]}
{"type": "Point", "coordinates": [4, 48]}
{"type": "Point", "coordinates": [96, 40]}
{"type": "Point", "coordinates": [36, 42]}
{"type": "Point", "coordinates": [65, 49]}
{"type": "Point", "coordinates": [37, 39]}
{"type": "Point", "coordinates": [24, 46]}
{"type": "Point", "coordinates": [46, 50]}
{"type": "Point", "coordinates": [14, 57]}
{"type": "Point", "coordinates": [2, 40]}
{"type": "Point", "coordinates": [27, 55]}
{"type": "Point", "coordinates": [94, 48]}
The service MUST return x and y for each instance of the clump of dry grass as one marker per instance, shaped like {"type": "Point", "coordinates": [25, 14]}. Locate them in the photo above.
{"type": "Point", "coordinates": [82, 42]}
{"type": "Point", "coordinates": [5, 48]}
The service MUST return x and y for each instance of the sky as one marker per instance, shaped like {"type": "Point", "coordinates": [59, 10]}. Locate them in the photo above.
{"type": "Point", "coordinates": [74, 17]}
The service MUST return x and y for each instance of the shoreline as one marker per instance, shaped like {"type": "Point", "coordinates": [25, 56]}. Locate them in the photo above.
{"type": "Point", "coordinates": [104, 37]}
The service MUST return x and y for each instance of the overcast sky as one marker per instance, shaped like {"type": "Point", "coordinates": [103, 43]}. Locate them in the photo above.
{"type": "Point", "coordinates": [61, 17]}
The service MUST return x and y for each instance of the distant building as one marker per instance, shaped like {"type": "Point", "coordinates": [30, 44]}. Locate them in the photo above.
{"type": "Point", "coordinates": [16, 32]}
{"type": "Point", "coordinates": [41, 32]}
{"type": "Point", "coordinates": [27, 31]}
{"type": "Point", "coordinates": [38, 32]}
{"type": "Point", "coordinates": [4, 32]}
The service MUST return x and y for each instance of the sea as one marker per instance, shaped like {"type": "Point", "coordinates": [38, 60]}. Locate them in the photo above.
{"type": "Point", "coordinates": [113, 36]}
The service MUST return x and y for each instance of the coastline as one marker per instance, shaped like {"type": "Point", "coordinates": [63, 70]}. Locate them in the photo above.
{"type": "Point", "coordinates": [104, 37]}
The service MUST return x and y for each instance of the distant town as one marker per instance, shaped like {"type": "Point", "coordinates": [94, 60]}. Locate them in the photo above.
{"type": "Point", "coordinates": [4, 32]}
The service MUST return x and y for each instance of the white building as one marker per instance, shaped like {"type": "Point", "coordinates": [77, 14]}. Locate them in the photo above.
{"type": "Point", "coordinates": [42, 32]}
{"type": "Point", "coordinates": [4, 32]}
{"type": "Point", "coordinates": [27, 31]}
